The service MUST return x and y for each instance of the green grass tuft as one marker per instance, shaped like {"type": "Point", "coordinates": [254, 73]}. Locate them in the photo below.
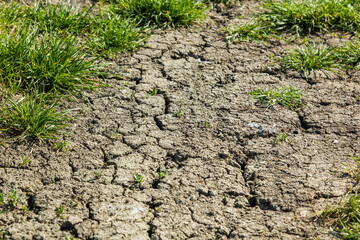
{"type": "Point", "coordinates": [48, 61]}
{"type": "Point", "coordinates": [252, 30]}
{"type": "Point", "coordinates": [289, 97]}
{"type": "Point", "coordinates": [311, 57]}
{"type": "Point", "coordinates": [299, 17]}
{"type": "Point", "coordinates": [307, 16]}
{"type": "Point", "coordinates": [161, 13]}
{"type": "Point", "coordinates": [33, 116]}
{"type": "Point", "coordinates": [114, 33]}
{"type": "Point", "coordinates": [61, 17]}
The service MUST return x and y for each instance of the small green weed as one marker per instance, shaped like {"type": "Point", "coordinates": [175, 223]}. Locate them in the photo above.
{"type": "Point", "coordinates": [160, 13]}
{"type": "Point", "coordinates": [25, 161]}
{"type": "Point", "coordinates": [14, 198]}
{"type": "Point", "coordinates": [138, 178]}
{"type": "Point", "coordinates": [311, 57]}
{"type": "Point", "coordinates": [60, 146]}
{"type": "Point", "coordinates": [162, 174]}
{"type": "Point", "coordinates": [281, 138]}
{"type": "Point", "coordinates": [24, 209]}
{"type": "Point", "coordinates": [289, 97]}
{"type": "Point", "coordinates": [153, 92]}
{"type": "Point", "coordinates": [59, 211]}
{"type": "Point", "coordinates": [33, 116]}
{"type": "Point", "coordinates": [1, 198]}
{"type": "Point", "coordinates": [132, 95]}
{"type": "Point", "coordinates": [178, 114]}
{"type": "Point", "coordinates": [74, 203]}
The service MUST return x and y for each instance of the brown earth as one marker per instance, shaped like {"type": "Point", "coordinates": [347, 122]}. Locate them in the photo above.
{"type": "Point", "coordinates": [226, 177]}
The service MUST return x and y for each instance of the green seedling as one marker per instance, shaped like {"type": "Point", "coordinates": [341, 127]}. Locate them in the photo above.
{"type": "Point", "coordinates": [138, 178]}
{"type": "Point", "coordinates": [289, 97]}
{"type": "Point", "coordinates": [281, 138]}
{"type": "Point", "coordinates": [162, 174]}
{"type": "Point", "coordinates": [74, 203]}
{"type": "Point", "coordinates": [1, 198]}
{"type": "Point", "coordinates": [24, 209]}
{"type": "Point", "coordinates": [153, 92]}
{"type": "Point", "coordinates": [207, 125]}
{"type": "Point", "coordinates": [99, 174]}
{"type": "Point", "coordinates": [132, 96]}
{"type": "Point", "coordinates": [178, 114]}
{"type": "Point", "coordinates": [25, 161]}
{"type": "Point", "coordinates": [61, 146]}
{"type": "Point", "coordinates": [69, 238]}
{"type": "Point", "coordinates": [14, 198]}
{"type": "Point", "coordinates": [59, 211]}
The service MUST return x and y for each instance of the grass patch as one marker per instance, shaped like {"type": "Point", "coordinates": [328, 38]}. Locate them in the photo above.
{"type": "Point", "coordinates": [345, 217]}
{"type": "Point", "coordinates": [33, 116]}
{"type": "Point", "coordinates": [252, 30]}
{"type": "Point", "coordinates": [161, 13]}
{"type": "Point", "coordinates": [349, 55]}
{"type": "Point", "coordinates": [299, 17]}
{"type": "Point", "coordinates": [112, 33]}
{"type": "Point", "coordinates": [306, 16]}
{"type": "Point", "coordinates": [61, 17]}
{"type": "Point", "coordinates": [49, 62]}
{"type": "Point", "coordinates": [311, 57]}
{"type": "Point", "coordinates": [289, 97]}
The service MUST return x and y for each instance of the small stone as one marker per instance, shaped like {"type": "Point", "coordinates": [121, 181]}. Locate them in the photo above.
{"type": "Point", "coordinates": [336, 141]}
{"type": "Point", "coordinates": [192, 197]}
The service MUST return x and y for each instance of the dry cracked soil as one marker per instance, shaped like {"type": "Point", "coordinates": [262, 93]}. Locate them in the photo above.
{"type": "Point", "coordinates": [226, 179]}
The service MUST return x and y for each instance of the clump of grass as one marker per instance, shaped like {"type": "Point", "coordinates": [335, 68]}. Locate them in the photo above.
{"type": "Point", "coordinates": [289, 97]}
{"type": "Point", "coordinates": [345, 217]}
{"type": "Point", "coordinates": [11, 14]}
{"type": "Point", "coordinates": [349, 55]}
{"type": "Point", "coordinates": [299, 17]}
{"type": "Point", "coordinates": [252, 30]}
{"type": "Point", "coordinates": [161, 13]}
{"type": "Point", "coordinates": [58, 17]}
{"type": "Point", "coordinates": [113, 33]}
{"type": "Point", "coordinates": [311, 57]}
{"type": "Point", "coordinates": [28, 60]}
{"type": "Point", "coordinates": [34, 116]}
{"type": "Point", "coordinates": [307, 16]}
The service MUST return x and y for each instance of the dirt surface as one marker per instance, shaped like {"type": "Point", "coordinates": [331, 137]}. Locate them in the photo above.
{"type": "Point", "coordinates": [226, 179]}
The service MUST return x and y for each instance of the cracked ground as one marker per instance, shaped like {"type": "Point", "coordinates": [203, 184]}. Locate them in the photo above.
{"type": "Point", "coordinates": [226, 179]}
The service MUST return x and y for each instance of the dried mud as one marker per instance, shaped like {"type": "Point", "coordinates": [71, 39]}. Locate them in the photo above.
{"type": "Point", "coordinates": [226, 177]}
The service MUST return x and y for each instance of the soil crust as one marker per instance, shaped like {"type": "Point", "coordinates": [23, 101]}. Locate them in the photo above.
{"type": "Point", "coordinates": [226, 179]}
